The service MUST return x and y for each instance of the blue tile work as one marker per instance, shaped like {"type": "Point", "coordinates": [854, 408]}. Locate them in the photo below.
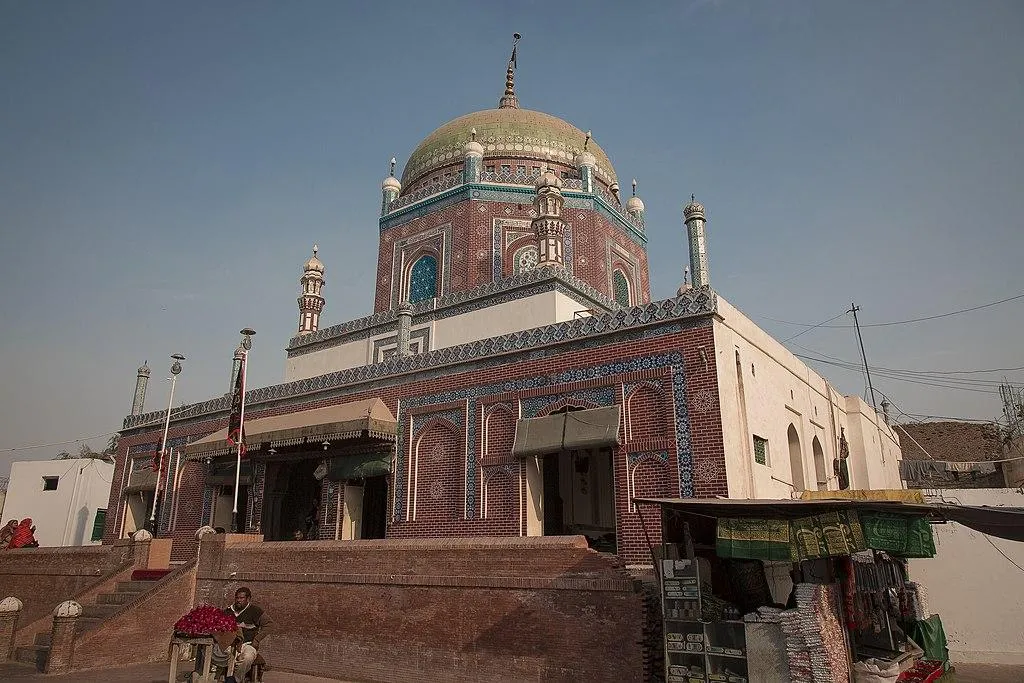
{"type": "Point", "coordinates": [141, 464]}
{"type": "Point", "coordinates": [602, 396]}
{"type": "Point", "coordinates": [423, 280]}
{"type": "Point", "coordinates": [684, 447]}
{"type": "Point", "coordinates": [254, 516]}
{"type": "Point", "coordinates": [634, 458]}
{"type": "Point", "coordinates": [632, 386]}
{"type": "Point", "coordinates": [207, 505]}
{"type": "Point", "coordinates": [498, 246]}
{"type": "Point", "coordinates": [456, 417]}
{"type": "Point", "coordinates": [518, 195]}
{"type": "Point", "coordinates": [694, 304]}
{"type": "Point", "coordinates": [473, 394]}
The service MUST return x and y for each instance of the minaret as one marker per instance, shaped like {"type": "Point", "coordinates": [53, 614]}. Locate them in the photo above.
{"type": "Point", "coordinates": [548, 224]}
{"type": "Point", "coordinates": [634, 205]}
{"type": "Point", "coordinates": [473, 159]}
{"type": "Point", "coordinates": [311, 303]}
{"type": "Point", "coordinates": [509, 99]}
{"type": "Point", "coordinates": [389, 190]}
{"type": "Point", "coordinates": [586, 164]}
{"type": "Point", "coordinates": [693, 214]}
{"type": "Point", "coordinates": [141, 380]}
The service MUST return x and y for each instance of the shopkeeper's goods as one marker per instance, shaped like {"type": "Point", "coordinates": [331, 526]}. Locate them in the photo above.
{"type": "Point", "coordinates": [205, 620]}
{"type": "Point", "coordinates": [815, 645]}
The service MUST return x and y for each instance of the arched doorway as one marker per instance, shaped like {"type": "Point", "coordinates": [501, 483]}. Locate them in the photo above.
{"type": "Point", "coordinates": [819, 465]}
{"type": "Point", "coordinates": [796, 458]}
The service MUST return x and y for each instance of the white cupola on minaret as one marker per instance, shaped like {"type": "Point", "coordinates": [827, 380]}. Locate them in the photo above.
{"type": "Point", "coordinates": [311, 301]}
{"type": "Point", "coordinates": [389, 190]}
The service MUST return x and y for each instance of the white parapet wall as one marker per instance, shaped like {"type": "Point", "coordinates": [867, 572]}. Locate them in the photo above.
{"type": "Point", "coordinates": [977, 591]}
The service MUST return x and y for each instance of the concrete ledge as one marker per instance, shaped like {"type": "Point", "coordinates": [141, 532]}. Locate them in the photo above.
{"type": "Point", "coordinates": [481, 582]}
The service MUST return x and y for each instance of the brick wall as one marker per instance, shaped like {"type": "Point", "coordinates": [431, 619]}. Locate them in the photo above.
{"type": "Point", "coordinates": [427, 610]}
{"type": "Point", "coordinates": [42, 578]}
{"type": "Point", "coordinates": [141, 631]}
{"type": "Point", "coordinates": [648, 438]}
{"type": "Point", "coordinates": [472, 224]}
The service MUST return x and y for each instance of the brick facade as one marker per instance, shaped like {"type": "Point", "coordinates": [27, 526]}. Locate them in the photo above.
{"type": "Point", "coordinates": [454, 474]}
{"type": "Point", "coordinates": [467, 230]}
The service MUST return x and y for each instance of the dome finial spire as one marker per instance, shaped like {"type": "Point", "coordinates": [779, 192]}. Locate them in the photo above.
{"type": "Point", "coordinates": [393, 162]}
{"type": "Point", "coordinates": [509, 100]}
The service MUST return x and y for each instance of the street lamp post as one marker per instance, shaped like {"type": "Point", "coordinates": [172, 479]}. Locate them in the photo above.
{"type": "Point", "coordinates": [175, 371]}
{"type": "Point", "coordinates": [247, 334]}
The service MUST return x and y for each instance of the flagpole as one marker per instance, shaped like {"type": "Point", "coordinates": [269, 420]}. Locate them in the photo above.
{"type": "Point", "coordinates": [246, 345]}
{"type": "Point", "coordinates": [175, 371]}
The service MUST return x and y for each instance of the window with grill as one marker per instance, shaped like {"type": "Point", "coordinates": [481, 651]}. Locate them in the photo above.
{"type": "Point", "coordinates": [97, 525]}
{"type": "Point", "coordinates": [760, 450]}
{"type": "Point", "coordinates": [490, 168]}
{"type": "Point", "coordinates": [423, 279]}
{"type": "Point", "coordinates": [526, 259]}
{"type": "Point", "coordinates": [620, 288]}
{"type": "Point", "coordinates": [506, 168]}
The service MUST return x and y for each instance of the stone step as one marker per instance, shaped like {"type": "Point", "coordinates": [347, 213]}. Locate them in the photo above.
{"type": "Point", "coordinates": [101, 611]}
{"type": "Point", "coordinates": [44, 638]}
{"type": "Point", "coordinates": [116, 598]}
{"type": "Point", "coordinates": [134, 586]}
{"type": "Point", "coordinates": [32, 654]}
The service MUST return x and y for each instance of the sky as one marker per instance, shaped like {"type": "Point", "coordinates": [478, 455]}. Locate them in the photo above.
{"type": "Point", "coordinates": [166, 167]}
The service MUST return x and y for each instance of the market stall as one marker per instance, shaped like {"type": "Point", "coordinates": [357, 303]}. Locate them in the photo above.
{"type": "Point", "coordinates": [805, 591]}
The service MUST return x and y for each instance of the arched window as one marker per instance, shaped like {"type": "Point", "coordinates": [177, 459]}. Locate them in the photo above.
{"type": "Point", "coordinates": [423, 279]}
{"type": "Point", "coordinates": [525, 259]}
{"type": "Point", "coordinates": [819, 465]}
{"type": "Point", "coordinates": [620, 288]}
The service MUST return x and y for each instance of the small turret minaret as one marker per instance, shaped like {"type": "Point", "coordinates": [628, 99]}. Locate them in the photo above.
{"type": "Point", "coordinates": [693, 214]}
{"type": "Point", "coordinates": [634, 205]}
{"type": "Point", "coordinates": [473, 159]}
{"type": "Point", "coordinates": [548, 224]}
{"type": "Point", "coordinates": [311, 302]}
{"type": "Point", "coordinates": [587, 164]}
{"type": "Point", "coordinates": [141, 380]}
{"type": "Point", "coordinates": [389, 190]}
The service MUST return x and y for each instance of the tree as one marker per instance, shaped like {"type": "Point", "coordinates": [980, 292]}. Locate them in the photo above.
{"type": "Point", "coordinates": [112, 444]}
{"type": "Point", "coordinates": [63, 455]}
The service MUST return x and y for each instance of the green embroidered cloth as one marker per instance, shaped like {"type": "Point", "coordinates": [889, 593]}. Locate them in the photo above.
{"type": "Point", "coordinates": [754, 539]}
{"type": "Point", "coordinates": [826, 535]}
{"type": "Point", "coordinates": [898, 535]}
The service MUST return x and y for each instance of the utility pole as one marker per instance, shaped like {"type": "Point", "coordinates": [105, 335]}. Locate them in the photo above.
{"type": "Point", "coordinates": [867, 371]}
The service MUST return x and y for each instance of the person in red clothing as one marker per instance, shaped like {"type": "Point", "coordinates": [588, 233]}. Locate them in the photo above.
{"type": "Point", "coordinates": [24, 535]}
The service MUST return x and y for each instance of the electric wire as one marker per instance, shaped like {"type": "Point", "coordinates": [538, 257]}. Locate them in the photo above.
{"type": "Point", "coordinates": [902, 322]}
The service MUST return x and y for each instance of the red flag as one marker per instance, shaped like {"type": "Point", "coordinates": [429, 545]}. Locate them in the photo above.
{"type": "Point", "coordinates": [236, 430]}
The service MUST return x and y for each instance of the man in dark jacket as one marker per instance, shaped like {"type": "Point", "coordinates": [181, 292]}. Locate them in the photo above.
{"type": "Point", "coordinates": [254, 624]}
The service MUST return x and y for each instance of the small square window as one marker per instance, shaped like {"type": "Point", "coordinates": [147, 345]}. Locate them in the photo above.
{"type": "Point", "coordinates": [760, 450]}
{"type": "Point", "coordinates": [521, 170]}
{"type": "Point", "coordinates": [506, 168]}
{"type": "Point", "coordinates": [50, 483]}
{"type": "Point", "coordinates": [565, 175]}
{"type": "Point", "coordinates": [490, 168]}
{"type": "Point", "coordinates": [535, 169]}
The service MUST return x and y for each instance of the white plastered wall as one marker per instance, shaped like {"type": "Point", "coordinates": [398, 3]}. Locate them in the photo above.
{"type": "Point", "coordinates": [63, 516]}
{"type": "Point", "coordinates": [527, 313]}
{"type": "Point", "coordinates": [978, 593]}
{"type": "Point", "coordinates": [779, 390]}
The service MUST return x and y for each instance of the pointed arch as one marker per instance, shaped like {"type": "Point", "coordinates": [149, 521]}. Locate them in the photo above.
{"type": "Point", "coordinates": [622, 290]}
{"type": "Point", "coordinates": [821, 476]}
{"type": "Point", "coordinates": [796, 458]}
{"type": "Point", "coordinates": [422, 279]}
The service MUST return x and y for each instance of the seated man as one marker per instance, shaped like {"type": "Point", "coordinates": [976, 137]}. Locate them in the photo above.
{"type": "Point", "coordinates": [254, 624]}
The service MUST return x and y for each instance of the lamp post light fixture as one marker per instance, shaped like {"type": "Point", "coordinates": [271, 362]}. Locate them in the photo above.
{"type": "Point", "coordinates": [175, 371]}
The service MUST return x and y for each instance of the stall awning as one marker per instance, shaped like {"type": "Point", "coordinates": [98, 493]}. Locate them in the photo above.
{"type": "Point", "coordinates": [1002, 522]}
{"type": "Point", "coordinates": [575, 430]}
{"type": "Point", "coordinates": [144, 480]}
{"type": "Point", "coordinates": [369, 418]}
{"type": "Point", "coordinates": [359, 466]}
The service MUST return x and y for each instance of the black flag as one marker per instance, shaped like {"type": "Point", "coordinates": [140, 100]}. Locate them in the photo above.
{"type": "Point", "coordinates": [236, 431]}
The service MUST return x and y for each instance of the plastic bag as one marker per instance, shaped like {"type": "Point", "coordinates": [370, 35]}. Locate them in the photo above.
{"type": "Point", "coordinates": [875, 671]}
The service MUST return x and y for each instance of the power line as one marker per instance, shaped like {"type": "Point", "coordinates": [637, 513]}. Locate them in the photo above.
{"type": "Point", "coordinates": [88, 438]}
{"type": "Point", "coordinates": [824, 322]}
{"type": "Point", "coordinates": [902, 322]}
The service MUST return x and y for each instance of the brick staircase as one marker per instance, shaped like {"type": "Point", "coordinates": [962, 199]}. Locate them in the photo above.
{"type": "Point", "coordinates": [92, 616]}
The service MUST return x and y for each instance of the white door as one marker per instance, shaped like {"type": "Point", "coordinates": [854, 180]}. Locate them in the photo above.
{"type": "Point", "coordinates": [352, 526]}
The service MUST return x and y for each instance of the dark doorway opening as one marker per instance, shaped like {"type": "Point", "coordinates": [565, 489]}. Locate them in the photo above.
{"type": "Point", "coordinates": [291, 493]}
{"type": "Point", "coordinates": [579, 496]}
{"type": "Point", "coordinates": [375, 507]}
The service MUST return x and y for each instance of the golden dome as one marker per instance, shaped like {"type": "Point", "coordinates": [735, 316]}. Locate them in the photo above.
{"type": "Point", "coordinates": [505, 133]}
